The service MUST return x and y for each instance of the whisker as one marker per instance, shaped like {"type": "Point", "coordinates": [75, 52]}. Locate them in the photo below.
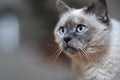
{"type": "Point", "coordinates": [96, 38]}
{"type": "Point", "coordinates": [55, 53]}
{"type": "Point", "coordinates": [93, 41]}
{"type": "Point", "coordinates": [79, 53]}
{"type": "Point", "coordinates": [85, 53]}
{"type": "Point", "coordinates": [82, 52]}
{"type": "Point", "coordinates": [90, 56]}
{"type": "Point", "coordinates": [57, 56]}
{"type": "Point", "coordinates": [94, 62]}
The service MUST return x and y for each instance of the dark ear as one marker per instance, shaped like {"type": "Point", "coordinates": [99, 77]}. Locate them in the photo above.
{"type": "Point", "coordinates": [62, 7]}
{"type": "Point", "coordinates": [99, 8]}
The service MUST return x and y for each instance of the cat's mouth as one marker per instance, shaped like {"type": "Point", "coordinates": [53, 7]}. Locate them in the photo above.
{"type": "Point", "coordinates": [71, 49]}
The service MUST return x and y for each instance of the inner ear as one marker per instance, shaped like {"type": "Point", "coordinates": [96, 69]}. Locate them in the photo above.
{"type": "Point", "coordinates": [62, 7]}
{"type": "Point", "coordinates": [99, 8]}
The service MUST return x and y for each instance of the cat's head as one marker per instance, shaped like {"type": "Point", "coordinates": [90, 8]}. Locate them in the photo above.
{"type": "Point", "coordinates": [84, 30]}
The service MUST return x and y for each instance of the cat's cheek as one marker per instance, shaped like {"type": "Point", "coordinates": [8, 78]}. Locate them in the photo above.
{"type": "Point", "coordinates": [95, 50]}
{"type": "Point", "coordinates": [59, 41]}
{"type": "Point", "coordinates": [91, 50]}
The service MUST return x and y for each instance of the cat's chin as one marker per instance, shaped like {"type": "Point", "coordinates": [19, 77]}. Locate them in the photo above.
{"type": "Point", "coordinates": [71, 50]}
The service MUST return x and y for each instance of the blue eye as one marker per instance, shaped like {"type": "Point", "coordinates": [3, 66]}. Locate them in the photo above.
{"type": "Point", "coordinates": [80, 28]}
{"type": "Point", "coordinates": [62, 30]}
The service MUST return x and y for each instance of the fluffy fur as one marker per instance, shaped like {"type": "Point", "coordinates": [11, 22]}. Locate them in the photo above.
{"type": "Point", "coordinates": [98, 58]}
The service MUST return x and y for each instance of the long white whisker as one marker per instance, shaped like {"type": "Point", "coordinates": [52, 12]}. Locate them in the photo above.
{"type": "Point", "coordinates": [86, 55]}
{"type": "Point", "coordinates": [90, 56]}
{"type": "Point", "coordinates": [80, 53]}
{"type": "Point", "coordinates": [54, 54]}
{"type": "Point", "coordinates": [96, 38]}
{"type": "Point", "coordinates": [57, 56]}
{"type": "Point", "coordinates": [84, 52]}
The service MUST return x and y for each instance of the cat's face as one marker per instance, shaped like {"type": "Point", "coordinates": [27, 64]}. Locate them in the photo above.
{"type": "Point", "coordinates": [78, 32]}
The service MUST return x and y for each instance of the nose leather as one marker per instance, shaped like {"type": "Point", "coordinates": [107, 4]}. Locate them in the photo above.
{"type": "Point", "coordinates": [67, 39]}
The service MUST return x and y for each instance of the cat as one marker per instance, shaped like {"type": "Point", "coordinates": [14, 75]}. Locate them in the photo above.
{"type": "Point", "coordinates": [90, 39]}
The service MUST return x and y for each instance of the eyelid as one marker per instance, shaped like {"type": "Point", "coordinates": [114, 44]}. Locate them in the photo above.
{"type": "Point", "coordinates": [60, 27]}
{"type": "Point", "coordinates": [80, 25]}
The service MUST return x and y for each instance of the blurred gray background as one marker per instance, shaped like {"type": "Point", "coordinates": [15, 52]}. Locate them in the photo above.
{"type": "Point", "coordinates": [27, 41]}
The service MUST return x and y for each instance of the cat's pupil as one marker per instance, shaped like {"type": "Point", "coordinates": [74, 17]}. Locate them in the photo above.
{"type": "Point", "coordinates": [63, 30]}
{"type": "Point", "coordinates": [80, 28]}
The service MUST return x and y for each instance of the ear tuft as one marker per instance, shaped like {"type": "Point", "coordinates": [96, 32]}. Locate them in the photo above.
{"type": "Point", "coordinates": [62, 7]}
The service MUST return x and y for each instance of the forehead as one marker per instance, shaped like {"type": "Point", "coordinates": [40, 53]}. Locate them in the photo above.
{"type": "Point", "coordinates": [71, 17]}
{"type": "Point", "coordinates": [78, 16]}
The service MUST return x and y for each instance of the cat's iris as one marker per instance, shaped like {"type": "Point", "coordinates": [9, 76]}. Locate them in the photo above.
{"type": "Point", "coordinates": [62, 30]}
{"type": "Point", "coordinates": [80, 28]}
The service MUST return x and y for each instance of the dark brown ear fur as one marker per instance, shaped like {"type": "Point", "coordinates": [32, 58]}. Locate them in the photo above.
{"type": "Point", "coordinates": [62, 7]}
{"type": "Point", "coordinates": [99, 8]}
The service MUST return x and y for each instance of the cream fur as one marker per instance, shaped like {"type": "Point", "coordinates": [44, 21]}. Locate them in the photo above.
{"type": "Point", "coordinates": [108, 68]}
